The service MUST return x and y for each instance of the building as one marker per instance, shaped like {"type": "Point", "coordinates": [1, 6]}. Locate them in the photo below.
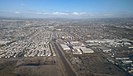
{"type": "Point", "coordinates": [87, 50]}
{"type": "Point", "coordinates": [65, 47]}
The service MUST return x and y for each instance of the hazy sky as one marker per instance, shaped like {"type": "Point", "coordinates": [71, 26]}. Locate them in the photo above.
{"type": "Point", "coordinates": [66, 8]}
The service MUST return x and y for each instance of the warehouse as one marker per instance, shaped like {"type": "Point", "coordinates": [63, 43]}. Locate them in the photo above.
{"type": "Point", "coordinates": [87, 50]}
{"type": "Point", "coordinates": [65, 47]}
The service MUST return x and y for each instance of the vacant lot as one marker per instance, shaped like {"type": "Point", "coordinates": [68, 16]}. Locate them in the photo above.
{"type": "Point", "coordinates": [37, 66]}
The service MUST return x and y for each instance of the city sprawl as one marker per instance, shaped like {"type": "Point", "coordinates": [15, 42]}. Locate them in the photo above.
{"type": "Point", "coordinates": [66, 47]}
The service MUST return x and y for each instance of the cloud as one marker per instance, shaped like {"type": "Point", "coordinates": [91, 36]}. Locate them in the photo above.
{"type": "Point", "coordinates": [17, 12]}
{"type": "Point", "coordinates": [60, 13]}
{"type": "Point", "coordinates": [79, 13]}
{"type": "Point", "coordinates": [52, 13]}
{"type": "Point", "coordinates": [43, 14]}
{"type": "Point", "coordinates": [74, 14]}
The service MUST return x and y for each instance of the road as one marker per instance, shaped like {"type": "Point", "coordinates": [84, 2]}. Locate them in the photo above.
{"type": "Point", "coordinates": [67, 67]}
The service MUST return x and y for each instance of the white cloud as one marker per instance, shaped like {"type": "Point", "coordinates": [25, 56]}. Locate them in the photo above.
{"type": "Point", "coordinates": [63, 14]}
{"type": "Point", "coordinates": [60, 13]}
{"type": "Point", "coordinates": [17, 12]}
{"type": "Point", "coordinates": [79, 13]}
{"type": "Point", "coordinates": [75, 13]}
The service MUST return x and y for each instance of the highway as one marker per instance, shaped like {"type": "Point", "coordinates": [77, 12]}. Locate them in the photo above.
{"type": "Point", "coordinates": [58, 52]}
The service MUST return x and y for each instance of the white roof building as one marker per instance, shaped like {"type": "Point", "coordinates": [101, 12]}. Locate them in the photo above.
{"type": "Point", "coordinates": [87, 50]}
{"type": "Point", "coordinates": [65, 47]}
{"type": "Point", "coordinates": [76, 43]}
{"type": "Point", "coordinates": [77, 50]}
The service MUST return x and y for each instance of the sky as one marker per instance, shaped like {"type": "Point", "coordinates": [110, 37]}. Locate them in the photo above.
{"type": "Point", "coordinates": [66, 8]}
